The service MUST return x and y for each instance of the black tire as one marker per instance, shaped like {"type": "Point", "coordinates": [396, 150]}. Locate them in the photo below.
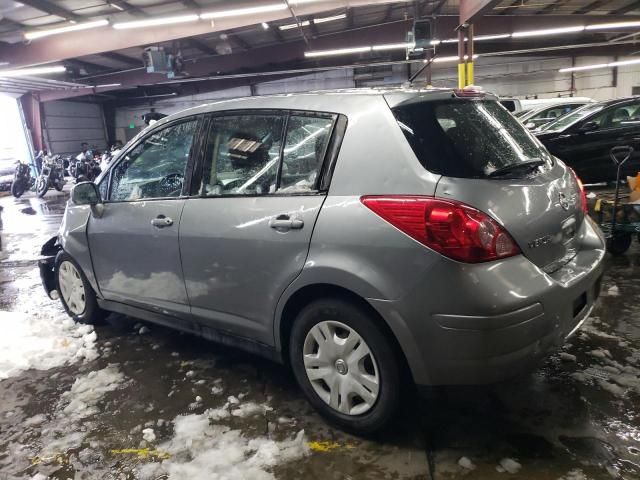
{"type": "Point", "coordinates": [92, 314]}
{"type": "Point", "coordinates": [17, 188]}
{"type": "Point", "coordinates": [386, 405]}
{"type": "Point", "coordinates": [619, 244]}
{"type": "Point", "coordinates": [42, 187]}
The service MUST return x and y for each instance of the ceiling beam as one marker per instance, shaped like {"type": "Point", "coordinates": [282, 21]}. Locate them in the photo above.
{"type": "Point", "coordinates": [239, 41]}
{"type": "Point", "coordinates": [11, 24]}
{"type": "Point", "coordinates": [199, 45]}
{"type": "Point", "coordinates": [118, 57]}
{"type": "Point", "coordinates": [90, 67]}
{"type": "Point", "coordinates": [52, 9]}
{"type": "Point", "coordinates": [627, 8]}
{"type": "Point", "coordinates": [591, 6]}
{"type": "Point", "coordinates": [514, 5]}
{"type": "Point", "coordinates": [192, 5]}
{"type": "Point", "coordinates": [552, 7]}
{"type": "Point", "coordinates": [436, 9]}
{"type": "Point", "coordinates": [127, 7]}
{"type": "Point", "coordinates": [472, 10]}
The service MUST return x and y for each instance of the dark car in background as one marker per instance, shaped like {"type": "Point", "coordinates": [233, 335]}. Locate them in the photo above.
{"type": "Point", "coordinates": [583, 138]}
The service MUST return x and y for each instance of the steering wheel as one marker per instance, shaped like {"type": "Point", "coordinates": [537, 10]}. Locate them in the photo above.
{"type": "Point", "coordinates": [172, 183]}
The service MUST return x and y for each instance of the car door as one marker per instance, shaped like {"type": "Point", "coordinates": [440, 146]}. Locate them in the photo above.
{"type": "Point", "coordinates": [246, 237]}
{"type": "Point", "coordinates": [134, 243]}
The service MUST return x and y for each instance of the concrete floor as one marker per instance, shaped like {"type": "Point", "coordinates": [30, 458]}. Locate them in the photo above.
{"type": "Point", "coordinates": [577, 417]}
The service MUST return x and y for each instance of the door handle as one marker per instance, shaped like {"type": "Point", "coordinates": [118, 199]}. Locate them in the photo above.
{"type": "Point", "coordinates": [161, 221]}
{"type": "Point", "coordinates": [285, 222]}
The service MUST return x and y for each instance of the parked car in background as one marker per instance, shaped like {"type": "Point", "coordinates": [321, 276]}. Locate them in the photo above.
{"type": "Point", "coordinates": [363, 238]}
{"type": "Point", "coordinates": [515, 105]}
{"type": "Point", "coordinates": [584, 138]}
{"type": "Point", "coordinates": [538, 117]}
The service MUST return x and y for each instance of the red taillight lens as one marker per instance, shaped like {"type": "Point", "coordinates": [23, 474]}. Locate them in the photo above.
{"type": "Point", "coordinates": [583, 195]}
{"type": "Point", "coordinates": [451, 228]}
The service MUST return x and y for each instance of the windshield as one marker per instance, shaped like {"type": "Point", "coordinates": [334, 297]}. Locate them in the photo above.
{"type": "Point", "coordinates": [569, 119]}
{"type": "Point", "coordinates": [467, 138]}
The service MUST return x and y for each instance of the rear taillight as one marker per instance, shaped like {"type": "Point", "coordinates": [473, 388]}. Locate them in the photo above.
{"type": "Point", "coordinates": [451, 228]}
{"type": "Point", "coordinates": [583, 195]}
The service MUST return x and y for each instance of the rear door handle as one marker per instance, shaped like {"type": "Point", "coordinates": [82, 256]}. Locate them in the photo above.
{"type": "Point", "coordinates": [161, 221]}
{"type": "Point", "coordinates": [285, 222]}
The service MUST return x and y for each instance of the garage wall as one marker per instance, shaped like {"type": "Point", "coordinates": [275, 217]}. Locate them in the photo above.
{"type": "Point", "coordinates": [129, 119]}
{"type": "Point", "coordinates": [67, 124]}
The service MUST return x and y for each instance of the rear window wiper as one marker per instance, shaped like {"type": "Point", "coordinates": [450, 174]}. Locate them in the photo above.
{"type": "Point", "coordinates": [527, 166]}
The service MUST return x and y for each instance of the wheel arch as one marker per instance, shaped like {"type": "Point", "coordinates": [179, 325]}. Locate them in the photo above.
{"type": "Point", "coordinates": [306, 294]}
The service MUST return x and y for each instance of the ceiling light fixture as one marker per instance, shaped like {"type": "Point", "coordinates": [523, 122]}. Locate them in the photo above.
{"type": "Point", "coordinates": [265, 26]}
{"type": "Point", "coordinates": [154, 22]}
{"type": "Point", "coordinates": [32, 71]}
{"type": "Point", "coordinates": [243, 11]}
{"type": "Point", "coordinates": [68, 28]}
{"type": "Point", "coordinates": [547, 31]}
{"type": "Point", "coordinates": [452, 58]}
{"type": "Point", "coordinates": [330, 19]}
{"type": "Point", "coordinates": [116, 6]}
{"type": "Point", "coordinates": [291, 26]}
{"type": "Point", "coordinates": [480, 38]}
{"type": "Point", "coordinates": [394, 46]}
{"type": "Point", "coordinates": [339, 51]}
{"type": "Point", "coordinates": [620, 63]}
{"type": "Point", "coordinates": [603, 26]}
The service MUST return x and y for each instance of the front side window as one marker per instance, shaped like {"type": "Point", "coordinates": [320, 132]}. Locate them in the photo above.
{"type": "Point", "coordinates": [619, 116]}
{"type": "Point", "coordinates": [155, 168]}
{"type": "Point", "coordinates": [245, 154]}
{"type": "Point", "coordinates": [467, 138]}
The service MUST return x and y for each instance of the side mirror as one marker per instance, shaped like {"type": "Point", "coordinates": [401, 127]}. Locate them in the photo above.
{"type": "Point", "coordinates": [588, 127]}
{"type": "Point", "coordinates": [85, 193]}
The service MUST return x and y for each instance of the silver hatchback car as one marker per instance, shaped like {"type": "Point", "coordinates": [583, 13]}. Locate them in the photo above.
{"type": "Point", "coordinates": [355, 235]}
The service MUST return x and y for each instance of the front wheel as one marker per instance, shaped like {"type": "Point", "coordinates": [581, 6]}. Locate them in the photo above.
{"type": "Point", "coordinates": [619, 244]}
{"type": "Point", "coordinates": [17, 188]}
{"type": "Point", "coordinates": [42, 186]}
{"type": "Point", "coordinates": [345, 364]}
{"type": "Point", "coordinates": [76, 294]}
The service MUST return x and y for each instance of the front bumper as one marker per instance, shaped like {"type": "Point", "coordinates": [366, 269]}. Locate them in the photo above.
{"type": "Point", "coordinates": [46, 263]}
{"type": "Point", "coordinates": [502, 319]}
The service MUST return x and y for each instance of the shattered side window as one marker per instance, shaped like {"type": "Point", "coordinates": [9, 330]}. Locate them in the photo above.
{"type": "Point", "coordinates": [155, 168]}
{"type": "Point", "coordinates": [304, 152]}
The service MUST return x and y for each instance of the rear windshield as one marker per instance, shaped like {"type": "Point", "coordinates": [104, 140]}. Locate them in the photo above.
{"type": "Point", "coordinates": [466, 138]}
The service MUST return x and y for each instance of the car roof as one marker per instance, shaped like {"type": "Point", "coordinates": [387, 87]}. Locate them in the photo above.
{"type": "Point", "coordinates": [334, 101]}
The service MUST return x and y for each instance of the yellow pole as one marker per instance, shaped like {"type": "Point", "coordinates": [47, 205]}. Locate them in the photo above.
{"type": "Point", "coordinates": [470, 72]}
{"type": "Point", "coordinates": [461, 76]}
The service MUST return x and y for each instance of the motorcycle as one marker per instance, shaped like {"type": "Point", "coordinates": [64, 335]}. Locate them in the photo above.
{"type": "Point", "coordinates": [22, 179]}
{"type": "Point", "coordinates": [87, 167]}
{"type": "Point", "coordinates": [52, 175]}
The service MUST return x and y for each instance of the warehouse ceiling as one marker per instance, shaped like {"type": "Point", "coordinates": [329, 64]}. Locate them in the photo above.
{"type": "Point", "coordinates": [232, 50]}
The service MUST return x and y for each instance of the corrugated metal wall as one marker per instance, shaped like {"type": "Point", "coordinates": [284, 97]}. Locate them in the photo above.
{"type": "Point", "coordinates": [68, 124]}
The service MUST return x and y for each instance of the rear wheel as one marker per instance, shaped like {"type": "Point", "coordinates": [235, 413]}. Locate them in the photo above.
{"type": "Point", "coordinates": [345, 365]}
{"type": "Point", "coordinates": [76, 294]}
{"type": "Point", "coordinates": [619, 244]}
{"type": "Point", "coordinates": [18, 188]}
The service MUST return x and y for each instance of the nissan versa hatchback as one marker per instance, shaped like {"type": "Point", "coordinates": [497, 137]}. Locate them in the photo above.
{"type": "Point", "coordinates": [356, 235]}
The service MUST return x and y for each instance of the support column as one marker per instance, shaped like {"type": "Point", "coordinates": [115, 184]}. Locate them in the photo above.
{"type": "Point", "coordinates": [469, 55]}
{"type": "Point", "coordinates": [462, 68]}
{"type": "Point", "coordinates": [31, 108]}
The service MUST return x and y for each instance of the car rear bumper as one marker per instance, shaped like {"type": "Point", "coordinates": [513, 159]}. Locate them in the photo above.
{"type": "Point", "coordinates": [501, 319]}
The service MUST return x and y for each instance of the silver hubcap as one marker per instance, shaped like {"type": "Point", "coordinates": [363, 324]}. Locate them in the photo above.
{"type": "Point", "coordinates": [341, 367]}
{"type": "Point", "coordinates": [72, 288]}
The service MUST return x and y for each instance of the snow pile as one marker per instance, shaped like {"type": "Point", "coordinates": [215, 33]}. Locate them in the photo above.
{"type": "Point", "coordinates": [202, 449]}
{"type": "Point", "coordinates": [148, 435]}
{"type": "Point", "coordinates": [39, 334]}
{"type": "Point", "coordinates": [70, 426]}
{"type": "Point", "coordinates": [466, 463]}
{"type": "Point", "coordinates": [575, 474]}
{"type": "Point", "coordinates": [508, 465]}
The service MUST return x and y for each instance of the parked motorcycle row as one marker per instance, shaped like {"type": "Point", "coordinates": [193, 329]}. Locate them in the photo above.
{"type": "Point", "coordinates": [50, 171]}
